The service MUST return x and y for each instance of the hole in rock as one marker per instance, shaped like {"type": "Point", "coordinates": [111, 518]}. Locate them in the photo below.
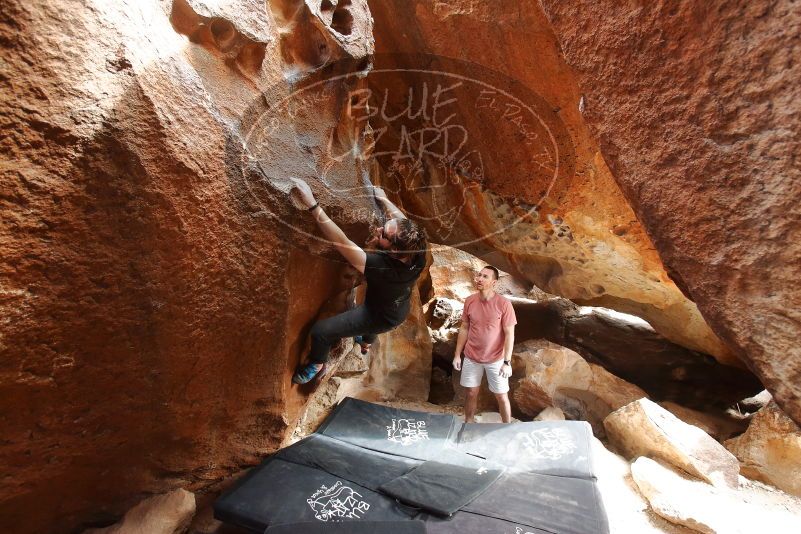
{"type": "Point", "coordinates": [342, 21]}
{"type": "Point", "coordinates": [306, 49]}
{"type": "Point", "coordinates": [223, 33]}
{"type": "Point", "coordinates": [365, 64]}
{"type": "Point", "coordinates": [218, 34]}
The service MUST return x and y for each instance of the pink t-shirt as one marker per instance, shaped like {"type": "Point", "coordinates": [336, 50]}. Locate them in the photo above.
{"type": "Point", "coordinates": [485, 321]}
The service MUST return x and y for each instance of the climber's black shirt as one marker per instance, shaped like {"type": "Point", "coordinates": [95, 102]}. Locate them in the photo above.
{"type": "Point", "coordinates": [389, 284]}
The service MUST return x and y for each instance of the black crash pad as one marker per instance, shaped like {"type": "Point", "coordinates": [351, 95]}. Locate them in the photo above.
{"type": "Point", "coordinates": [424, 459]}
{"type": "Point", "coordinates": [557, 504]}
{"type": "Point", "coordinates": [278, 492]}
{"type": "Point", "coordinates": [546, 447]}
{"type": "Point", "coordinates": [369, 469]}
{"type": "Point", "coordinates": [359, 527]}
{"type": "Point", "coordinates": [443, 488]}
{"type": "Point", "coordinates": [407, 433]}
{"type": "Point", "coordinates": [469, 523]}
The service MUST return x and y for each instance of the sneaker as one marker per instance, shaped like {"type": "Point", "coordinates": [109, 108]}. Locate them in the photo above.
{"type": "Point", "coordinates": [364, 346]}
{"type": "Point", "coordinates": [307, 372]}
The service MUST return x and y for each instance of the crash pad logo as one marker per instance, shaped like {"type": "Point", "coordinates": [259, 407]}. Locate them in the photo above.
{"type": "Point", "coordinates": [442, 135]}
{"type": "Point", "coordinates": [337, 503]}
{"type": "Point", "coordinates": [407, 431]}
{"type": "Point", "coordinates": [548, 443]}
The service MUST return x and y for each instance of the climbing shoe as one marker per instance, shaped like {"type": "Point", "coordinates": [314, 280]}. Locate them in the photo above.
{"type": "Point", "coordinates": [364, 346]}
{"type": "Point", "coordinates": [307, 372]}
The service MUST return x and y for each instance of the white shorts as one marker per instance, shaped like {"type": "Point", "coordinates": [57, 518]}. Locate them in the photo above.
{"type": "Point", "coordinates": [473, 371]}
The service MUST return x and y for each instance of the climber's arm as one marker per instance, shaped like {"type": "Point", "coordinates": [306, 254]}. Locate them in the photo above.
{"type": "Point", "coordinates": [349, 250]}
{"type": "Point", "coordinates": [391, 209]}
{"type": "Point", "coordinates": [332, 232]}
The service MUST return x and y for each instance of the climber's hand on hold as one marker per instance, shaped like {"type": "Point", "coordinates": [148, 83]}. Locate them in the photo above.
{"type": "Point", "coordinates": [302, 192]}
{"type": "Point", "coordinates": [379, 193]}
{"type": "Point", "coordinates": [384, 202]}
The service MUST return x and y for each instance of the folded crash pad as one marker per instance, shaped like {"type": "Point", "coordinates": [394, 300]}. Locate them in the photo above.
{"type": "Point", "coordinates": [443, 488]}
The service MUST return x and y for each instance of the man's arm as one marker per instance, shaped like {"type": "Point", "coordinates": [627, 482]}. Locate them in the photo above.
{"type": "Point", "coordinates": [349, 250]}
{"type": "Point", "coordinates": [355, 255]}
{"type": "Point", "coordinates": [508, 345]}
{"type": "Point", "coordinates": [391, 209]}
{"type": "Point", "coordinates": [460, 341]}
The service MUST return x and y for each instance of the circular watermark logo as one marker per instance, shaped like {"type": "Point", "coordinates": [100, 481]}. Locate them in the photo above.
{"type": "Point", "coordinates": [449, 140]}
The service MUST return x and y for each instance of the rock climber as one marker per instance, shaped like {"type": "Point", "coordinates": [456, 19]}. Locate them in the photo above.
{"type": "Point", "coordinates": [390, 272]}
{"type": "Point", "coordinates": [486, 338]}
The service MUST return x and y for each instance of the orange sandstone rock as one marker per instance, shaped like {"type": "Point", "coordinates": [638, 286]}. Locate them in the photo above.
{"type": "Point", "coordinates": [695, 106]}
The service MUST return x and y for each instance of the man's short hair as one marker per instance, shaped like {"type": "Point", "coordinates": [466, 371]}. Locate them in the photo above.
{"type": "Point", "coordinates": [494, 270]}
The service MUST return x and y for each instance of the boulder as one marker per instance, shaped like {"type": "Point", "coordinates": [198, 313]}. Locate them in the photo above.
{"type": "Point", "coordinates": [453, 271]}
{"type": "Point", "coordinates": [547, 374]}
{"type": "Point", "coordinates": [444, 316]}
{"type": "Point", "coordinates": [550, 413]}
{"type": "Point", "coordinates": [770, 450]}
{"type": "Point", "coordinates": [158, 284]}
{"type": "Point", "coordinates": [694, 106]}
{"type": "Point", "coordinates": [643, 428]}
{"type": "Point", "coordinates": [626, 507]}
{"type": "Point", "coordinates": [170, 513]}
{"type": "Point", "coordinates": [718, 425]}
{"type": "Point", "coordinates": [708, 509]}
{"type": "Point", "coordinates": [443, 345]}
{"type": "Point", "coordinates": [444, 313]}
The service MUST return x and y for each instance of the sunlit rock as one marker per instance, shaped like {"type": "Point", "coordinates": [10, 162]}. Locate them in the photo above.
{"type": "Point", "coordinates": [548, 375]}
{"type": "Point", "coordinates": [643, 428]}
{"type": "Point", "coordinates": [705, 508]}
{"type": "Point", "coordinates": [718, 425]}
{"type": "Point", "coordinates": [770, 450]}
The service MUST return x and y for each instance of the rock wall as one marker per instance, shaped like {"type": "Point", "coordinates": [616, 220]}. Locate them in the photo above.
{"type": "Point", "coordinates": [696, 107]}
{"type": "Point", "coordinates": [155, 285]}
{"type": "Point", "coordinates": [501, 163]}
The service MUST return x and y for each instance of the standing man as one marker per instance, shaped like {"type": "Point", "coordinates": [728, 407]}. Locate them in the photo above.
{"type": "Point", "coordinates": [390, 272]}
{"type": "Point", "coordinates": [487, 336]}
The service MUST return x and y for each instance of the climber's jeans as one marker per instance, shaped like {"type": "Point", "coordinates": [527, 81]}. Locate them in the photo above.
{"type": "Point", "coordinates": [360, 321]}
